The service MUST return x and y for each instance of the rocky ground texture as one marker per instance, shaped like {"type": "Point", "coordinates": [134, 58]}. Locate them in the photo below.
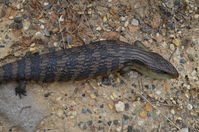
{"type": "Point", "coordinates": [107, 104]}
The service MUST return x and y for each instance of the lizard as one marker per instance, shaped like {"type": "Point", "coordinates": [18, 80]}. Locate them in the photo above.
{"type": "Point", "coordinates": [86, 61]}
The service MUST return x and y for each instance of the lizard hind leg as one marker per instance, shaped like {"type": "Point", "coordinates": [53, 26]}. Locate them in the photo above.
{"type": "Point", "coordinates": [20, 90]}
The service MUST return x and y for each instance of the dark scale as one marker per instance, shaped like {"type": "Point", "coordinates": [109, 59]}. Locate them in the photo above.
{"type": "Point", "coordinates": [35, 67]}
{"type": "Point", "coordinates": [21, 69]}
{"type": "Point", "coordinates": [7, 74]}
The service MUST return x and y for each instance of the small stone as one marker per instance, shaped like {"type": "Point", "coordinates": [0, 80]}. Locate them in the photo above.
{"type": "Point", "coordinates": [147, 107]}
{"type": "Point", "coordinates": [60, 113]}
{"type": "Point", "coordinates": [189, 107]}
{"type": "Point", "coordinates": [125, 117]}
{"type": "Point", "coordinates": [11, 17]}
{"type": "Point", "coordinates": [32, 49]}
{"type": "Point", "coordinates": [183, 61]}
{"type": "Point", "coordinates": [140, 122]}
{"type": "Point", "coordinates": [193, 73]}
{"type": "Point", "coordinates": [42, 26]}
{"type": "Point", "coordinates": [196, 16]}
{"type": "Point", "coordinates": [55, 44]}
{"type": "Point", "coordinates": [110, 123]}
{"type": "Point", "coordinates": [18, 6]}
{"type": "Point", "coordinates": [47, 7]}
{"type": "Point", "coordinates": [92, 96]}
{"type": "Point", "coordinates": [172, 47]}
{"type": "Point", "coordinates": [38, 34]}
{"type": "Point", "coordinates": [84, 110]}
{"type": "Point", "coordinates": [122, 18]}
{"type": "Point", "coordinates": [177, 42]}
{"type": "Point", "coordinates": [115, 122]}
{"type": "Point", "coordinates": [46, 3]}
{"type": "Point", "coordinates": [158, 92]}
{"type": "Point", "coordinates": [120, 106]}
{"type": "Point", "coordinates": [159, 37]}
{"type": "Point", "coordinates": [98, 28]}
{"type": "Point", "coordinates": [126, 106]}
{"type": "Point", "coordinates": [143, 114]}
{"type": "Point", "coordinates": [105, 19]}
{"type": "Point", "coordinates": [110, 106]}
{"type": "Point", "coordinates": [134, 22]}
{"type": "Point", "coordinates": [61, 19]}
{"type": "Point", "coordinates": [172, 111]}
{"type": "Point", "coordinates": [126, 24]}
{"type": "Point", "coordinates": [46, 33]}
{"type": "Point", "coordinates": [118, 129]}
{"type": "Point", "coordinates": [184, 130]}
{"type": "Point", "coordinates": [69, 40]}
{"type": "Point", "coordinates": [18, 20]}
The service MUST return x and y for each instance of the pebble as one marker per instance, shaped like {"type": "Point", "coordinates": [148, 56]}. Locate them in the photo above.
{"type": "Point", "coordinates": [46, 32]}
{"type": "Point", "coordinates": [123, 18]}
{"type": "Point", "coordinates": [110, 106]}
{"type": "Point", "coordinates": [172, 47]}
{"type": "Point", "coordinates": [147, 107]}
{"type": "Point", "coordinates": [131, 129]}
{"type": "Point", "coordinates": [46, 3]}
{"type": "Point", "coordinates": [42, 26]}
{"type": "Point", "coordinates": [18, 6]}
{"type": "Point", "coordinates": [196, 16]}
{"type": "Point", "coordinates": [61, 19]}
{"type": "Point", "coordinates": [85, 110]}
{"type": "Point", "coordinates": [83, 125]}
{"type": "Point", "coordinates": [177, 42]}
{"type": "Point", "coordinates": [55, 44]}
{"type": "Point", "coordinates": [125, 117]}
{"type": "Point", "coordinates": [38, 34]}
{"type": "Point", "coordinates": [98, 28]}
{"type": "Point", "coordinates": [18, 20]}
{"type": "Point", "coordinates": [189, 107]}
{"type": "Point", "coordinates": [11, 17]}
{"type": "Point", "coordinates": [134, 22]}
{"type": "Point", "coordinates": [158, 92]}
{"type": "Point", "coordinates": [140, 122]}
{"type": "Point", "coordinates": [69, 40]}
{"type": "Point", "coordinates": [126, 106]}
{"type": "Point", "coordinates": [182, 61]}
{"type": "Point", "coordinates": [60, 113]}
{"type": "Point", "coordinates": [120, 106]}
{"type": "Point", "coordinates": [93, 96]}
{"type": "Point", "coordinates": [172, 111]}
{"type": "Point", "coordinates": [184, 130]}
{"type": "Point", "coordinates": [32, 49]}
{"type": "Point", "coordinates": [193, 73]}
{"type": "Point", "coordinates": [47, 7]}
{"type": "Point", "coordinates": [116, 122]}
{"type": "Point", "coordinates": [126, 24]}
{"type": "Point", "coordinates": [143, 114]}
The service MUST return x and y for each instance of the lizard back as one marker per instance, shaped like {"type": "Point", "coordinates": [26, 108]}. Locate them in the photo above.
{"type": "Point", "coordinates": [87, 61]}
{"type": "Point", "coordinates": [77, 63]}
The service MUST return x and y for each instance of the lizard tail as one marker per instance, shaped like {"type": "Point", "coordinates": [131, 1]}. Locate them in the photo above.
{"type": "Point", "coordinates": [1, 75]}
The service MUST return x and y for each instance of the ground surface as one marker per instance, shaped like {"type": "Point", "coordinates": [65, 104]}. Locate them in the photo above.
{"type": "Point", "coordinates": [170, 28]}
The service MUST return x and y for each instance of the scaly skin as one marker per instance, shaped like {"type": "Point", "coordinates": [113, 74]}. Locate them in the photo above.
{"type": "Point", "coordinates": [86, 61]}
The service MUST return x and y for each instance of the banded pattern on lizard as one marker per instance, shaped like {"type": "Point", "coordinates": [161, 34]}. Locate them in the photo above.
{"type": "Point", "coordinates": [86, 61]}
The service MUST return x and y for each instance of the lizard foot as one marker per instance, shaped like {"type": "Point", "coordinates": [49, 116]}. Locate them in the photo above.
{"type": "Point", "coordinates": [20, 90]}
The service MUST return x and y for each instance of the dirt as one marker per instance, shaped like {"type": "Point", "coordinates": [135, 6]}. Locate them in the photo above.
{"type": "Point", "coordinates": [136, 104]}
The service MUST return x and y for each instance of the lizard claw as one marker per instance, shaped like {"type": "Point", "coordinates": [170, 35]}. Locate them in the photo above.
{"type": "Point", "coordinates": [20, 90]}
